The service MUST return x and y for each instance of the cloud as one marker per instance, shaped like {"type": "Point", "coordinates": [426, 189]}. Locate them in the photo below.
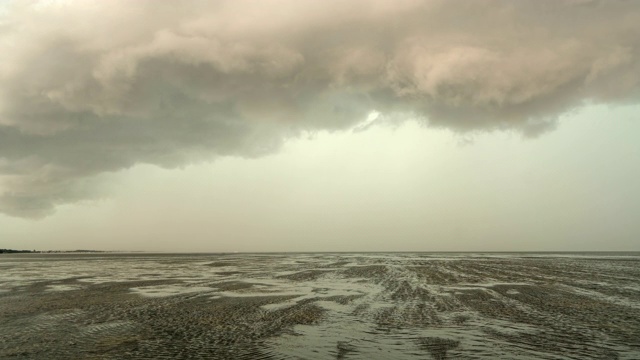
{"type": "Point", "coordinates": [93, 87]}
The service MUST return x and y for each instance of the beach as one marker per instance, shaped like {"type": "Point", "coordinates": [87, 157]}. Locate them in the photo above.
{"type": "Point", "coordinates": [320, 306]}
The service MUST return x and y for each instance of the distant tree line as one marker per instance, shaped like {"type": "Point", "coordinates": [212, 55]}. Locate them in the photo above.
{"type": "Point", "coordinates": [11, 251]}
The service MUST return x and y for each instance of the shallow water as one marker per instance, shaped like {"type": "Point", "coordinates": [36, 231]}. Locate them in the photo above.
{"type": "Point", "coordinates": [320, 306]}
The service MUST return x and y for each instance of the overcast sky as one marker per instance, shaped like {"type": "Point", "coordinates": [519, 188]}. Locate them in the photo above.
{"type": "Point", "coordinates": [320, 125]}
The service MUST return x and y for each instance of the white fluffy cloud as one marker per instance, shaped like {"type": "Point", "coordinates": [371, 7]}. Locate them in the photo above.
{"type": "Point", "coordinates": [92, 87]}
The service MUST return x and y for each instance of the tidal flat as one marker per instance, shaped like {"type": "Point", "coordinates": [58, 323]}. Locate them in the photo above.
{"type": "Point", "coordinates": [320, 306]}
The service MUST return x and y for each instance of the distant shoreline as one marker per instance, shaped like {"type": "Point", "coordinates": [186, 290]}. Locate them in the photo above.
{"type": "Point", "coordinates": [13, 251]}
{"type": "Point", "coordinates": [80, 251]}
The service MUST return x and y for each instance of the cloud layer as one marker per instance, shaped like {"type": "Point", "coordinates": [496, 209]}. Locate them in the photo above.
{"type": "Point", "coordinates": [93, 87]}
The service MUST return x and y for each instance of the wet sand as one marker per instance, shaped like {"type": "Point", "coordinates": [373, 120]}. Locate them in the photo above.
{"type": "Point", "coordinates": [320, 306]}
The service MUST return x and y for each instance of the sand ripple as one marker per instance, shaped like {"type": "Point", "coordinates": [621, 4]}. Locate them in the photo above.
{"type": "Point", "coordinates": [319, 306]}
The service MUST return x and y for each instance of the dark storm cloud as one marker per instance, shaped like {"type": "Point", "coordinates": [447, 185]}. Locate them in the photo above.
{"type": "Point", "coordinates": [93, 87]}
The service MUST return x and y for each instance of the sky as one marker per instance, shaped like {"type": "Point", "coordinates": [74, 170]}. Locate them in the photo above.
{"type": "Point", "coordinates": [320, 126]}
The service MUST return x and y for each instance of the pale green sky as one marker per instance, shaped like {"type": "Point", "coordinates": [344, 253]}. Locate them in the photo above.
{"type": "Point", "coordinates": [405, 188]}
